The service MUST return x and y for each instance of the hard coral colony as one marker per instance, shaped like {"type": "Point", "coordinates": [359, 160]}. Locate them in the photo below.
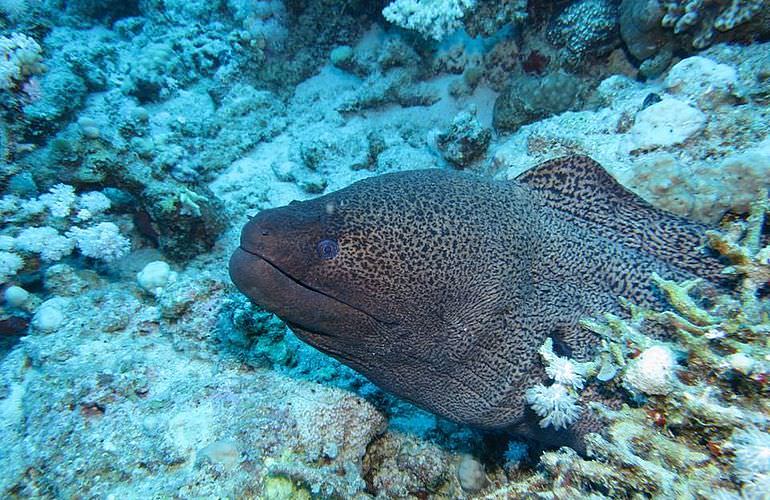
{"type": "Point", "coordinates": [543, 222]}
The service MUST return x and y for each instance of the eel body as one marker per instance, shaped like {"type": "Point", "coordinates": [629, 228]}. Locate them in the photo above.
{"type": "Point", "coordinates": [440, 287]}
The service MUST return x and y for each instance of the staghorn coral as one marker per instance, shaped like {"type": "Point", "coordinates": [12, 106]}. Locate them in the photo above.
{"type": "Point", "coordinates": [709, 432]}
{"type": "Point", "coordinates": [704, 19]}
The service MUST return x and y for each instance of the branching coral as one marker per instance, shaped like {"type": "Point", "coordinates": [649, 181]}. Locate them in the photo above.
{"type": "Point", "coordinates": [703, 18]}
{"type": "Point", "coordinates": [438, 18]}
{"type": "Point", "coordinates": [20, 57]}
{"type": "Point", "coordinates": [433, 18]}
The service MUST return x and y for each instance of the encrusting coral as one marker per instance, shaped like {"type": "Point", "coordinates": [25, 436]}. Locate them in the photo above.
{"type": "Point", "coordinates": [700, 415]}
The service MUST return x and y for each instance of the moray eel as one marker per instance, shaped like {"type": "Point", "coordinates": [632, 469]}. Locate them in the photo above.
{"type": "Point", "coordinates": [440, 286]}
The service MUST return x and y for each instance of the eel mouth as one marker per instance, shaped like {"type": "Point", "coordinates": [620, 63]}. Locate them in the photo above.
{"type": "Point", "coordinates": [302, 307]}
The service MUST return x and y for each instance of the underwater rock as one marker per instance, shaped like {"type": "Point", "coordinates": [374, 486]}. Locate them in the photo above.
{"type": "Point", "coordinates": [640, 28]}
{"type": "Point", "coordinates": [471, 474]}
{"type": "Point", "coordinates": [49, 316]}
{"type": "Point", "coordinates": [342, 57]}
{"type": "Point", "coordinates": [489, 16]}
{"type": "Point", "coordinates": [107, 11]}
{"type": "Point", "coordinates": [186, 220]}
{"type": "Point", "coordinates": [665, 123]}
{"type": "Point", "coordinates": [729, 185]}
{"type": "Point", "coordinates": [64, 280]}
{"type": "Point", "coordinates": [466, 140]}
{"type": "Point", "coordinates": [62, 93]}
{"type": "Point", "coordinates": [399, 465]}
{"type": "Point", "coordinates": [704, 82]}
{"type": "Point", "coordinates": [122, 390]}
{"type": "Point", "coordinates": [395, 86]}
{"type": "Point", "coordinates": [528, 99]}
{"type": "Point", "coordinates": [245, 117]}
{"type": "Point", "coordinates": [15, 296]}
{"type": "Point", "coordinates": [224, 452]}
{"type": "Point", "coordinates": [155, 276]}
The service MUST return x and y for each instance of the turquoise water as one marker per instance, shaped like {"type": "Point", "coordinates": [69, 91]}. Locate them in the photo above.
{"type": "Point", "coordinates": [461, 332]}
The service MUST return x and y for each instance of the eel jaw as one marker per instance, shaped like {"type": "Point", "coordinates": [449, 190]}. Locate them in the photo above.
{"type": "Point", "coordinates": [318, 317]}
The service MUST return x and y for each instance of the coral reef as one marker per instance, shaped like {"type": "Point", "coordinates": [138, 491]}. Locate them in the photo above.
{"type": "Point", "coordinates": [694, 423]}
{"type": "Point", "coordinates": [640, 28]}
{"type": "Point", "coordinates": [135, 136]}
{"type": "Point", "coordinates": [717, 169]}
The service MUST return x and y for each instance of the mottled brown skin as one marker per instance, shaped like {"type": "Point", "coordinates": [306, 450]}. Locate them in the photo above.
{"type": "Point", "coordinates": [445, 284]}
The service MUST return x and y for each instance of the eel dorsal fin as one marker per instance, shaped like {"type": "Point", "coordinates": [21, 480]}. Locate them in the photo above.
{"type": "Point", "coordinates": [580, 188]}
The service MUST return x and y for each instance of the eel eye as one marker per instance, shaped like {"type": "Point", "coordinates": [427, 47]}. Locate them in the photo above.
{"type": "Point", "coordinates": [327, 249]}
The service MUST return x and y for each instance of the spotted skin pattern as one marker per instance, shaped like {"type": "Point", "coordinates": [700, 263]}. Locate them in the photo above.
{"type": "Point", "coordinates": [445, 285]}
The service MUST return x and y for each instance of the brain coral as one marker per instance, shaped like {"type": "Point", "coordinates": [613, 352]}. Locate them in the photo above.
{"type": "Point", "coordinates": [586, 26]}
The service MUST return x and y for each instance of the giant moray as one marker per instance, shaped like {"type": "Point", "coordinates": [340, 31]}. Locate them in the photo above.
{"type": "Point", "coordinates": [441, 286]}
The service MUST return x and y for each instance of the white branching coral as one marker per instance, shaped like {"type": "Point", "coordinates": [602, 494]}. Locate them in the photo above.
{"type": "Point", "coordinates": [555, 404]}
{"type": "Point", "coordinates": [10, 263]}
{"type": "Point", "coordinates": [92, 203]}
{"type": "Point", "coordinates": [20, 57]}
{"type": "Point", "coordinates": [45, 241]}
{"type": "Point", "coordinates": [433, 18]}
{"type": "Point", "coordinates": [102, 241]}
{"type": "Point", "coordinates": [558, 403]}
{"type": "Point", "coordinates": [59, 199]}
